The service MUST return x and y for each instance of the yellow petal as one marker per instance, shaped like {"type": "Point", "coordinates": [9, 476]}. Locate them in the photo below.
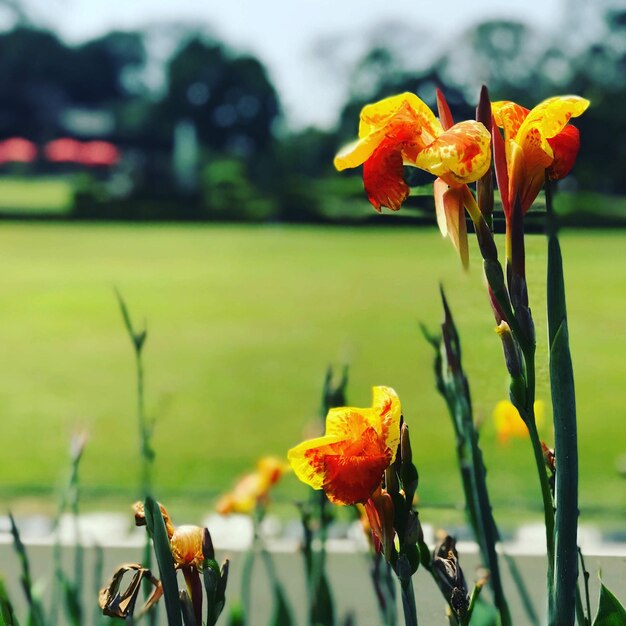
{"type": "Point", "coordinates": [357, 152]}
{"type": "Point", "coordinates": [405, 107]}
{"type": "Point", "coordinates": [509, 116]}
{"type": "Point", "coordinates": [307, 460]}
{"type": "Point", "coordinates": [550, 118]}
{"type": "Point", "coordinates": [460, 155]}
{"type": "Point", "coordinates": [385, 415]}
{"type": "Point", "coordinates": [404, 119]}
{"type": "Point", "coordinates": [186, 545]}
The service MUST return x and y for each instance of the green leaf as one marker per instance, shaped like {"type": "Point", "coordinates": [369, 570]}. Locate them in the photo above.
{"type": "Point", "coordinates": [610, 610]}
{"type": "Point", "coordinates": [282, 612]}
{"type": "Point", "coordinates": [323, 610]}
{"type": "Point", "coordinates": [138, 338]}
{"type": "Point", "coordinates": [236, 616]}
{"type": "Point", "coordinates": [36, 617]}
{"type": "Point", "coordinates": [7, 616]}
{"type": "Point", "coordinates": [484, 614]}
{"type": "Point", "coordinates": [71, 595]}
{"type": "Point", "coordinates": [156, 528]}
{"type": "Point", "coordinates": [562, 607]}
{"type": "Point", "coordinates": [214, 603]}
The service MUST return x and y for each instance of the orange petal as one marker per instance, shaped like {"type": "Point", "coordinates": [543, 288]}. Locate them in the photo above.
{"type": "Point", "coordinates": [383, 178]}
{"type": "Point", "coordinates": [461, 154]}
{"type": "Point", "coordinates": [565, 147]}
{"type": "Point", "coordinates": [445, 115]}
{"type": "Point", "coordinates": [500, 167]}
{"type": "Point", "coordinates": [351, 479]}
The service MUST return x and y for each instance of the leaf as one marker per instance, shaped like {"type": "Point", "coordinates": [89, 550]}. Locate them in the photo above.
{"type": "Point", "coordinates": [484, 614]}
{"type": "Point", "coordinates": [7, 616]}
{"type": "Point", "coordinates": [156, 528]}
{"type": "Point", "coordinates": [562, 607]}
{"type": "Point", "coordinates": [138, 338]}
{"type": "Point", "coordinates": [323, 610]}
{"type": "Point", "coordinates": [282, 612]}
{"type": "Point", "coordinates": [73, 607]}
{"type": "Point", "coordinates": [610, 610]}
{"type": "Point", "coordinates": [36, 617]}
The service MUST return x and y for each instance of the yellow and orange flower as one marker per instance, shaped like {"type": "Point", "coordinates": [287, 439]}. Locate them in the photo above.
{"type": "Point", "coordinates": [534, 141]}
{"type": "Point", "coordinates": [509, 423]}
{"type": "Point", "coordinates": [348, 462]}
{"type": "Point", "coordinates": [402, 130]}
{"type": "Point", "coordinates": [253, 488]}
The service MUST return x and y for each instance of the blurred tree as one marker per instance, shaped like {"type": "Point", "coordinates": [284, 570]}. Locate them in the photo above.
{"type": "Point", "coordinates": [32, 70]}
{"type": "Point", "coordinates": [500, 53]}
{"type": "Point", "coordinates": [106, 69]}
{"type": "Point", "coordinates": [229, 98]}
{"type": "Point", "coordinates": [41, 77]}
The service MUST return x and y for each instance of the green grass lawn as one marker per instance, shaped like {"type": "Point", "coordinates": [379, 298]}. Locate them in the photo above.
{"type": "Point", "coordinates": [243, 321]}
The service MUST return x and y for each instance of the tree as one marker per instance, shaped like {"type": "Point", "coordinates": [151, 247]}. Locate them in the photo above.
{"type": "Point", "coordinates": [40, 77]}
{"type": "Point", "coordinates": [229, 98]}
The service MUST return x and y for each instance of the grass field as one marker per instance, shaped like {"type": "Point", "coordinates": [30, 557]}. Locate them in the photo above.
{"type": "Point", "coordinates": [243, 321]}
{"type": "Point", "coordinates": [41, 195]}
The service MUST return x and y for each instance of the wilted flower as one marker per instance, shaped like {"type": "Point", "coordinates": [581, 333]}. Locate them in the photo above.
{"type": "Point", "coordinates": [534, 141]}
{"type": "Point", "coordinates": [349, 460]}
{"type": "Point", "coordinates": [185, 541]}
{"type": "Point", "coordinates": [509, 423]}
{"type": "Point", "coordinates": [253, 489]}
{"type": "Point", "coordinates": [118, 600]}
{"type": "Point", "coordinates": [449, 575]}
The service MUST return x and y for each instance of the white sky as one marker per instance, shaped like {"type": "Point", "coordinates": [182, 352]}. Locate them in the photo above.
{"type": "Point", "coordinates": [283, 33]}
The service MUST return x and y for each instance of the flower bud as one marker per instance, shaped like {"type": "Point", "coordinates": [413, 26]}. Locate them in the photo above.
{"type": "Point", "coordinates": [511, 351]}
{"type": "Point", "coordinates": [186, 545]}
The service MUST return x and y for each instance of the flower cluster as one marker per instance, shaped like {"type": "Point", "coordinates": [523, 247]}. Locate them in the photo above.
{"type": "Point", "coordinates": [402, 130]}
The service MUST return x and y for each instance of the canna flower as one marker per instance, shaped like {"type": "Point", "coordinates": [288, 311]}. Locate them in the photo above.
{"type": "Point", "coordinates": [253, 488]}
{"type": "Point", "coordinates": [348, 462]}
{"type": "Point", "coordinates": [509, 423]}
{"type": "Point", "coordinates": [402, 130]}
{"type": "Point", "coordinates": [534, 142]}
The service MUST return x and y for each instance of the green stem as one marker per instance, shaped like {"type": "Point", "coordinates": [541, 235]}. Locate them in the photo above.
{"type": "Point", "coordinates": [545, 494]}
{"type": "Point", "coordinates": [587, 619]}
{"type": "Point", "coordinates": [408, 601]}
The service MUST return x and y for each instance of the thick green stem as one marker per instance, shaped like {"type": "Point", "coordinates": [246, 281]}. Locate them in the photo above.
{"type": "Point", "coordinates": [408, 601]}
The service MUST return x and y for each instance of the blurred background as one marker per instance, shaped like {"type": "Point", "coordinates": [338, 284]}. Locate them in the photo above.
{"type": "Point", "coordinates": [182, 152]}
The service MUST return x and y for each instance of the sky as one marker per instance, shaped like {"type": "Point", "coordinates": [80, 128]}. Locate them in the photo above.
{"type": "Point", "coordinates": [307, 45]}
